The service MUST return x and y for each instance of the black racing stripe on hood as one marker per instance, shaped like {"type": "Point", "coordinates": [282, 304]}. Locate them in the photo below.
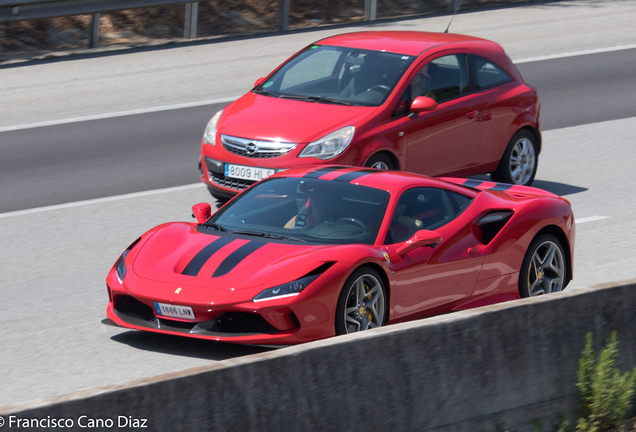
{"type": "Point", "coordinates": [322, 171]}
{"type": "Point", "coordinates": [194, 266]}
{"type": "Point", "coordinates": [236, 257]}
{"type": "Point", "coordinates": [351, 176]}
{"type": "Point", "coordinates": [472, 183]}
{"type": "Point", "coordinates": [501, 187]}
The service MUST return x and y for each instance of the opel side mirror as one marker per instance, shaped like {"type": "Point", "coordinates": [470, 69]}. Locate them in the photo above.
{"type": "Point", "coordinates": [422, 104]}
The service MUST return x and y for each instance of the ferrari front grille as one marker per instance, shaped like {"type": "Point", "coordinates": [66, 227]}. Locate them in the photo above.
{"type": "Point", "coordinates": [172, 324]}
{"type": "Point", "coordinates": [241, 322]}
{"type": "Point", "coordinates": [254, 148]}
{"type": "Point", "coordinates": [133, 308]}
{"type": "Point", "coordinates": [229, 324]}
{"type": "Point", "coordinates": [228, 182]}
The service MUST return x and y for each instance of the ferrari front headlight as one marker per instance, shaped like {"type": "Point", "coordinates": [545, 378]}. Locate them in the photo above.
{"type": "Point", "coordinates": [286, 290]}
{"type": "Point", "coordinates": [120, 267]}
{"type": "Point", "coordinates": [329, 146]}
{"type": "Point", "coordinates": [209, 136]}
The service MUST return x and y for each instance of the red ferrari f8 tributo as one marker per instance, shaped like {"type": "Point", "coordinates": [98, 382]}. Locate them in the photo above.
{"type": "Point", "coordinates": [315, 252]}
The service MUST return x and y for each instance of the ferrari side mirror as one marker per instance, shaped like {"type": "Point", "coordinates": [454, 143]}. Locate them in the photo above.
{"type": "Point", "coordinates": [201, 212]}
{"type": "Point", "coordinates": [259, 81]}
{"type": "Point", "coordinates": [420, 238]}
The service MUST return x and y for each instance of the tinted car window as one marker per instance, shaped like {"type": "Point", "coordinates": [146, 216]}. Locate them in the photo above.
{"type": "Point", "coordinates": [488, 74]}
{"type": "Point", "coordinates": [423, 208]}
{"type": "Point", "coordinates": [320, 64]}
{"type": "Point", "coordinates": [459, 202]}
{"type": "Point", "coordinates": [441, 79]}
{"type": "Point", "coordinates": [338, 74]}
{"type": "Point", "coordinates": [309, 210]}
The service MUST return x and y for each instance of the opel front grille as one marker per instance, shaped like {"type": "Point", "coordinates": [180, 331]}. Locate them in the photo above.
{"type": "Point", "coordinates": [255, 149]}
{"type": "Point", "coordinates": [228, 182]}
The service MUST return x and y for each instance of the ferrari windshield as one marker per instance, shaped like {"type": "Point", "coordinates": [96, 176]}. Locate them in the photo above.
{"type": "Point", "coordinates": [337, 75]}
{"type": "Point", "coordinates": [305, 210]}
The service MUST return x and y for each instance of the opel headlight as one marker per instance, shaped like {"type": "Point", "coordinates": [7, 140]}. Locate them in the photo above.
{"type": "Point", "coordinates": [209, 136]}
{"type": "Point", "coordinates": [329, 146]}
{"type": "Point", "coordinates": [286, 290]}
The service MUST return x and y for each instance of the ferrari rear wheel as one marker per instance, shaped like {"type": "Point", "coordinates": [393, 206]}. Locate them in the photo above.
{"type": "Point", "coordinates": [362, 303]}
{"type": "Point", "coordinates": [543, 270]}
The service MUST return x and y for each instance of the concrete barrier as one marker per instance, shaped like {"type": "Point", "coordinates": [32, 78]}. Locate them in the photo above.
{"type": "Point", "coordinates": [489, 369]}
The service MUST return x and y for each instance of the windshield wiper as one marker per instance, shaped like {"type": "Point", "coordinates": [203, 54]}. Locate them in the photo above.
{"type": "Point", "coordinates": [316, 99]}
{"type": "Point", "coordinates": [268, 235]}
{"type": "Point", "coordinates": [282, 237]}
{"type": "Point", "coordinates": [217, 227]}
{"type": "Point", "coordinates": [265, 93]}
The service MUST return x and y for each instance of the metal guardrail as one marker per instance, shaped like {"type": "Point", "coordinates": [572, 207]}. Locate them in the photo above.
{"type": "Point", "coordinates": [21, 10]}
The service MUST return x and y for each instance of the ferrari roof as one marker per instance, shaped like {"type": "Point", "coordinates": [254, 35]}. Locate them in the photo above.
{"type": "Point", "coordinates": [402, 42]}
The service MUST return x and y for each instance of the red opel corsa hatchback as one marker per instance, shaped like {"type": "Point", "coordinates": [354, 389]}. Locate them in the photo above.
{"type": "Point", "coordinates": [430, 103]}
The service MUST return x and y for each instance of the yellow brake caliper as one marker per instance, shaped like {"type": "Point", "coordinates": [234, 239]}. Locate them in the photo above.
{"type": "Point", "coordinates": [367, 298]}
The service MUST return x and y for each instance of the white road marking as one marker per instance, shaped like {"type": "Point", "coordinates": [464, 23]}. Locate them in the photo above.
{"type": "Point", "coordinates": [99, 200]}
{"type": "Point", "coordinates": [575, 53]}
{"type": "Point", "coordinates": [233, 98]}
{"type": "Point", "coordinates": [117, 114]}
{"type": "Point", "coordinates": [582, 220]}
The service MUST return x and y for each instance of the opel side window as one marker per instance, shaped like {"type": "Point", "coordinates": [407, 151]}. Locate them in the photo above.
{"type": "Point", "coordinates": [441, 79]}
{"type": "Point", "coordinates": [488, 74]}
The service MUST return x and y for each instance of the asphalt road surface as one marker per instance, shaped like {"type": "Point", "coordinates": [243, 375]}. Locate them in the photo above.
{"type": "Point", "coordinates": [54, 259]}
{"type": "Point", "coordinates": [92, 159]}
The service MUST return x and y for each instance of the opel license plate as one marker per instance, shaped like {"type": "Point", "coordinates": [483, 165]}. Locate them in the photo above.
{"type": "Point", "coordinates": [247, 173]}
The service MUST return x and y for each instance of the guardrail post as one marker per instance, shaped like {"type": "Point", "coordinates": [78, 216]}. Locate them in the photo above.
{"type": "Point", "coordinates": [283, 15]}
{"type": "Point", "coordinates": [191, 20]}
{"type": "Point", "coordinates": [370, 10]}
{"type": "Point", "coordinates": [93, 40]}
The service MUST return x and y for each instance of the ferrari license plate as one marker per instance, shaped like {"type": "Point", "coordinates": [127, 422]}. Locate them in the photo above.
{"type": "Point", "coordinates": [247, 173]}
{"type": "Point", "coordinates": [173, 311]}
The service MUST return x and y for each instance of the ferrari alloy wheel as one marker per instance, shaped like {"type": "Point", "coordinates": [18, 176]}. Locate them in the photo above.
{"type": "Point", "coordinates": [543, 270]}
{"type": "Point", "coordinates": [380, 161]}
{"type": "Point", "coordinates": [519, 163]}
{"type": "Point", "coordinates": [362, 302]}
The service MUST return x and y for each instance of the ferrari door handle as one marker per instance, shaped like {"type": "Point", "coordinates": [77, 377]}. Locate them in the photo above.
{"type": "Point", "coordinates": [472, 113]}
{"type": "Point", "coordinates": [473, 250]}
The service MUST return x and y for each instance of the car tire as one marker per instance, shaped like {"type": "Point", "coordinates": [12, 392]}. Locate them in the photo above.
{"type": "Point", "coordinates": [520, 160]}
{"type": "Point", "coordinates": [544, 268]}
{"type": "Point", "coordinates": [362, 303]}
{"type": "Point", "coordinates": [380, 161]}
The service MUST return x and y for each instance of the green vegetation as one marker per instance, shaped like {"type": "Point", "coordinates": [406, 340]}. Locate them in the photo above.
{"type": "Point", "coordinates": [606, 393]}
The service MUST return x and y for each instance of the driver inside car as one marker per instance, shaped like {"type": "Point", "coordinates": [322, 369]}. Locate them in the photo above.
{"type": "Point", "coordinates": [422, 83]}
{"type": "Point", "coordinates": [402, 227]}
{"type": "Point", "coordinates": [314, 212]}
